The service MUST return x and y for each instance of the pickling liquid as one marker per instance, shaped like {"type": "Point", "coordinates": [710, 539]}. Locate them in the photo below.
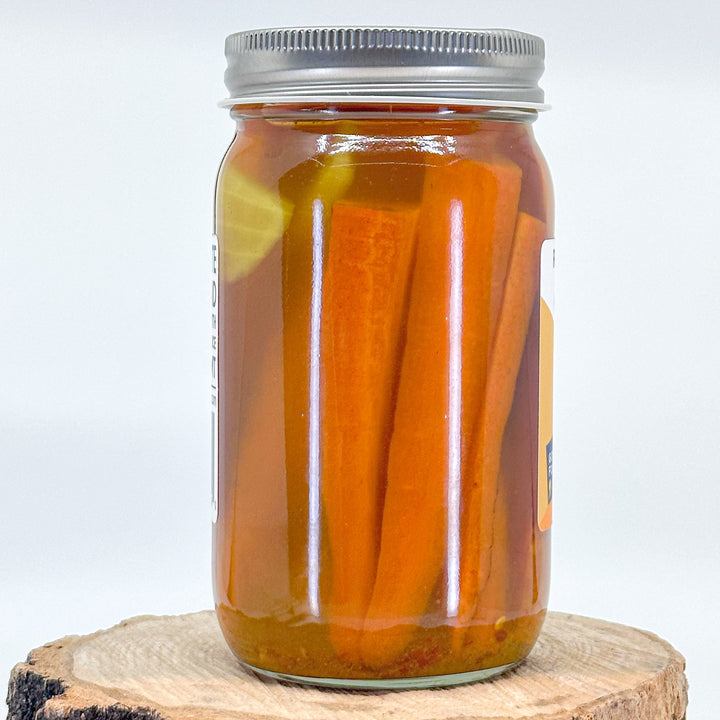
{"type": "Point", "coordinates": [379, 380]}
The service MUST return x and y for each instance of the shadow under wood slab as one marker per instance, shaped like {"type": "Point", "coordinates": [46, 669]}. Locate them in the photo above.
{"type": "Point", "coordinates": [179, 668]}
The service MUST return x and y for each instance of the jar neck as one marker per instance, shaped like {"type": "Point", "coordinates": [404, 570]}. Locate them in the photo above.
{"type": "Point", "coordinates": [385, 112]}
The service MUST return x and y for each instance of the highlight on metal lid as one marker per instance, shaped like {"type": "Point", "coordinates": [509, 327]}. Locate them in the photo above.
{"type": "Point", "coordinates": [494, 68]}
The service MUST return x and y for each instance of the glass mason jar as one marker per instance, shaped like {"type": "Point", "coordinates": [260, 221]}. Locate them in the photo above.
{"type": "Point", "coordinates": [383, 406]}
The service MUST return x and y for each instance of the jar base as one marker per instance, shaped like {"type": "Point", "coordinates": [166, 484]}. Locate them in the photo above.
{"type": "Point", "coordinates": [410, 683]}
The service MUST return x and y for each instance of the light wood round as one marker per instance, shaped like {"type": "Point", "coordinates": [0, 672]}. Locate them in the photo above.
{"type": "Point", "coordinates": [179, 668]}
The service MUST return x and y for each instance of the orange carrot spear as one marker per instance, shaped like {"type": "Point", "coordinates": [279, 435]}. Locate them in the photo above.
{"type": "Point", "coordinates": [313, 188]}
{"type": "Point", "coordinates": [504, 594]}
{"type": "Point", "coordinates": [252, 405]}
{"type": "Point", "coordinates": [521, 290]}
{"type": "Point", "coordinates": [519, 463]}
{"type": "Point", "coordinates": [468, 209]}
{"type": "Point", "coordinates": [258, 576]}
{"type": "Point", "coordinates": [365, 288]}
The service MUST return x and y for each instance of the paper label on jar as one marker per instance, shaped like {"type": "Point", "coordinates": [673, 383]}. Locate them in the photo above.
{"type": "Point", "coordinates": [214, 375]}
{"type": "Point", "coordinates": [545, 405]}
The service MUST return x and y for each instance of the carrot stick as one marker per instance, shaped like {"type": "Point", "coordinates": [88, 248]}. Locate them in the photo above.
{"type": "Point", "coordinates": [516, 141]}
{"type": "Point", "coordinates": [485, 633]}
{"type": "Point", "coordinates": [258, 577]}
{"type": "Point", "coordinates": [521, 289]}
{"type": "Point", "coordinates": [252, 405]}
{"type": "Point", "coordinates": [313, 188]}
{"type": "Point", "coordinates": [504, 595]}
{"type": "Point", "coordinates": [250, 325]}
{"type": "Point", "coordinates": [468, 208]}
{"type": "Point", "coordinates": [525, 469]}
{"type": "Point", "coordinates": [536, 577]}
{"type": "Point", "coordinates": [364, 300]}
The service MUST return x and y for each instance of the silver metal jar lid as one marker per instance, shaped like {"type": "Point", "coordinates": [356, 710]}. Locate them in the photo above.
{"type": "Point", "coordinates": [493, 68]}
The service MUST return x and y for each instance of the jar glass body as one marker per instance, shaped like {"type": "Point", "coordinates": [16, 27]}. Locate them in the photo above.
{"type": "Point", "coordinates": [379, 314]}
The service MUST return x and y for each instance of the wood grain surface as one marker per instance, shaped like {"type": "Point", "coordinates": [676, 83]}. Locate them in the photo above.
{"type": "Point", "coordinates": [179, 668]}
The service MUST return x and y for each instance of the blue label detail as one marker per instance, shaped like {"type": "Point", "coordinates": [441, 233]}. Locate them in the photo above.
{"type": "Point", "coordinates": [549, 461]}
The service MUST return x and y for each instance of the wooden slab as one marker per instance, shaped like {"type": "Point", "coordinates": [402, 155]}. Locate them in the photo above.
{"type": "Point", "coordinates": [179, 668]}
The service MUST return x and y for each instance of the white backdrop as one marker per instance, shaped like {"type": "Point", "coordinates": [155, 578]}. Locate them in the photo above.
{"type": "Point", "coordinates": [109, 142]}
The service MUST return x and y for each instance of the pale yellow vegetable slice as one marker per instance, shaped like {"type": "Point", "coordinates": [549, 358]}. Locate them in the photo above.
{"type": "Point", "coordinates": [251, 219]}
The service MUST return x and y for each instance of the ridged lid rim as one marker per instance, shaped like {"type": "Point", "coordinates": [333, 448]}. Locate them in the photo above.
{"type": "Point", "coordinates": [489, 67]}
